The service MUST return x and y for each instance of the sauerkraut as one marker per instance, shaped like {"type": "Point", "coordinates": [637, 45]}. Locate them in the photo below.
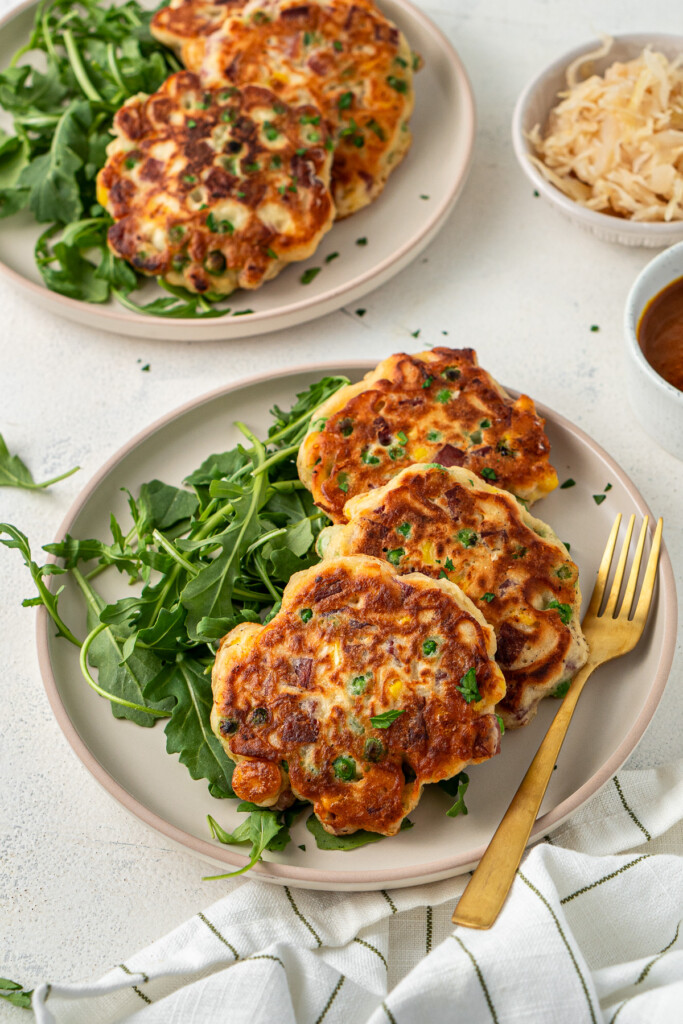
{"type": "Point", "coordinates": [615, 142]}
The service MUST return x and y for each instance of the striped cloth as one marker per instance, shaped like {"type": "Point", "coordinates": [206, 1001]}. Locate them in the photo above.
{"type": "Point", "coordinates": [591, 932]}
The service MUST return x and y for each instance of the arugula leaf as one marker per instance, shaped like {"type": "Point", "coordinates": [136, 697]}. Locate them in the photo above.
{"type": "Point", "coordinates": [325, 841]}
{"type": "Point", "coordinates": [14, 473]}
{"type": "Point", "coordinates": [457, 787]}
{"type": "Point", "coordinates": [15, 993]}
{"type": "Point", "coordinates": [161, 505]}
{"type": "Point", "coordinates": [186, 688]}
{"type": "Point", "coordinates": [14, 156]}
{"type": "Point", "coordinates": [264, 826]}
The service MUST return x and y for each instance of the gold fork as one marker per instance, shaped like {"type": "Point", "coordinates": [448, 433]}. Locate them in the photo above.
{"type": "Point", "coordinates": [609, 635]}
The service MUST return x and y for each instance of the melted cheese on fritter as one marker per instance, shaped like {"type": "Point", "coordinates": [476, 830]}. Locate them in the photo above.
{"type": "Point", "coordinates": [446, 523]}
{"type": "Point", "coordinates": [216, 189]}
{"type": "Point", "coordinates": [342, 55]}
{"type": "Point", "coordinates": [436, 406]}
{"type": "Point", "coordinates": [294, 699]}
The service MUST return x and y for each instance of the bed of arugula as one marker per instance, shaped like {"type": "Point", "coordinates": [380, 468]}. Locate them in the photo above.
{"type": "Point", "coordinates": [202, 558]}
{"type": "Point", "coordinates": [62, 88]}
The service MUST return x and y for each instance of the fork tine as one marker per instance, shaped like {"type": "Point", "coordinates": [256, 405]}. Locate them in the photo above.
{"type": "Point", "coordinates": [630, 592]}
{"type": "Point", "coordinates": [619, 572]}
{"type": "Point", "coordinates": [647, 589]}
{"type": "Point", "coordinates": [603, 571]}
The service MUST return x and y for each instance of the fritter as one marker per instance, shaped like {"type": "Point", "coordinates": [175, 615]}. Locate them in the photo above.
{"type": "Point", "coordinates": [184, 21]}
{"type": "Point", "coordinates": [362, 688]}
{"type": "Point", "coordinates": [436, 406]}
{"type": "Point", "coordinates": [215, 189]}
{"type": "Point", "coordinates": [448, 524]}
{"type": "Point", "coordinates": [345, 57]}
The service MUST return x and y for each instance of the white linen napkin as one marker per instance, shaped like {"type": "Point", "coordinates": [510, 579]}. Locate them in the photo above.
{"type": "Point", "coordinates": [591, 932]}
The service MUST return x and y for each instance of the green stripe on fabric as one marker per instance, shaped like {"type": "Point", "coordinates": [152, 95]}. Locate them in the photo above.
{"type": "Point", "coordinates": [48, 989]}
{"type": "Point", "coordinates": [389, 900]}
{"type": "Point", "coordinates": [620, 1007]}
{"type": "Point", "coordinates": [480, 976]}
{"type": "Point", "coordinates": [587, 888]}
{"type": "Point", "coordinates": [374, 949]}
{"type": "Point", "coordinates": [429, 929]}
{"type": "Point", "coordinates": [333, 996]}
{"type": "Point", "coordinates": [218, 935]}
{"type": "Point", "coordinates": [564, 939]}
{"type": "Point", "coordinates": [263, 956]}
{"type": "Point", "coordinates": [145, 979]}
{"type": "Point", "coordinates": [302, 918]}
{"type": "Point", "coordinates": [392, 1019]}
{"type": "Point", "coordinates": [648, 967]}
{"type": "Point", "coordinates": [628, 810]}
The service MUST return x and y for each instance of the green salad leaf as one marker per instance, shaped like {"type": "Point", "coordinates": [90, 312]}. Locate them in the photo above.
{"type": "Point", "coordinates": [15, 473]}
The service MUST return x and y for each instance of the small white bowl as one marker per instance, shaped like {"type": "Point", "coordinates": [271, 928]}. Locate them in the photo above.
{"type": "Point", "coordinates": [534, 106]}
{"type": "Point", "coordinates": [657, 404]}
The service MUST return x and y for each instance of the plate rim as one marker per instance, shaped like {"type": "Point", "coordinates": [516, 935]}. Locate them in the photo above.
{"type": "Point", "coordinates": [283, 873]}
{"type": "Point", "coordinates": [112, 317]}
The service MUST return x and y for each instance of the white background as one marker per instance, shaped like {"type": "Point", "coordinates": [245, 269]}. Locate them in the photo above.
{"type": "Point", "coordinates": [82, 885]}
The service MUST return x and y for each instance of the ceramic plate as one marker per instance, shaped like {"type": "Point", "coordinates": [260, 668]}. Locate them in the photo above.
{"type": "Point", "coordinates": [397, 226]}
{"type": "Point", "coordinates": [132, 763]}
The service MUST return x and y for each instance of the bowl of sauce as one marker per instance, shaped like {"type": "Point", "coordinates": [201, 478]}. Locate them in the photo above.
{"type": "Point", "coordinates": [654, 349]}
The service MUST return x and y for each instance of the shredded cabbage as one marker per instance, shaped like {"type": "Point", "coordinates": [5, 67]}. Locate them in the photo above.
{"type": "Point", "coordinates": [615, 142]}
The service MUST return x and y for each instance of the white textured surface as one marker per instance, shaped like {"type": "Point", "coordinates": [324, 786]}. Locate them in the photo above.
{"type": "Point", "coordinates": [81, 884]}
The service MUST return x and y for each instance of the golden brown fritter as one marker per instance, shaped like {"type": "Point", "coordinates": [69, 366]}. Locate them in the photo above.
{"type": "Point", "coordinates": [449, 524]}
{"type": "Point", "coordinates": [184, 21]}
{"type": "Point", "coordinates": [294, 700]}
{"type": "Point", "coordinates": [215, 189]}
{"type": "Point", "coordinates": [436, 406]}
{"type": "Point", "coordinates": [342, 55]}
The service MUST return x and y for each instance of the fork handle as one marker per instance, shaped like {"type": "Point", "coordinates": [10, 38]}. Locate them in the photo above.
{"type": "Point", "coordinates": [488, 887]}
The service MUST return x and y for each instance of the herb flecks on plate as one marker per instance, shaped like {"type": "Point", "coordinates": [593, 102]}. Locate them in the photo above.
{"type": "Point", "coordinates": [95, 58]}
{"type": "Point", "coordinates": [201, 558]}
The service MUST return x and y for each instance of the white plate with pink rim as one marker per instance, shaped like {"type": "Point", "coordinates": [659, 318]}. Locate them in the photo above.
{"type": "Point", "coordinates": [132, 763]}
{"type": "Point", "coordinates": [413, 207]}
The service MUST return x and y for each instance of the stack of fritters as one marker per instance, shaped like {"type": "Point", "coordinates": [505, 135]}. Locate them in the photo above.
{"type": "Point", "coordinates": [288, 115]}
{"type": "Point", "coordinates": [378, 673]}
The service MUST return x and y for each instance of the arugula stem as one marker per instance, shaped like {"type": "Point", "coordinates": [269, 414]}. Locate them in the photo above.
{"type": "Point", "coordinates": [174, 553]}
{"type": "Point", "coordinates": [261, 570]}
{"type": "Point", "coordinates": [263, 539]}
{"type": "Point", "coordinates": [83, 661]}
{"type": "Point", "coordinates": [115, 69]}
{"type": "Point", "coordinates": [278, 456]}
{"type": "Point", "coordinates": [287, 485]}
{"type": "Point", "coordinates": [54, 480]}
{"type": "Point", "coordinates": [232, 874]}
{"type": "Point", "coordinates": [78, 68]}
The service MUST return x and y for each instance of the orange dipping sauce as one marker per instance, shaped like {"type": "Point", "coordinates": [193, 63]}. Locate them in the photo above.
{"type": "Point", "coordinates": [660, 333]}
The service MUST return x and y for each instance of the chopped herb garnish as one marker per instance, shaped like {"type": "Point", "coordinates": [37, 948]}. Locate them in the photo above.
{"type": "Point", "coordinates": [384, 720]}
{"type": "Point", "coordinates": [608, 487]}
{"type": "Point", "coordinates": [220, 227]}
{"type": "Point", "coordinates": [271, 253]}
{"type": "Point", "coordinates": [488, 473]}
{"type": "Point", "coordinates": [146, 368]}
{"type": "Point", "coordinates": [361, 312]}
{"type": "Point", "coordinates": [338, 46]}
{"type": "Point", "coordinates": [395, 555]}
{"type": "Point", "coordinates": [270, 131]}
{"type": "Point", "coordinates": [131, 162]}
{"type": "Point", "coordinates": [368, 458]}
{"type": "Point", "coordinates": [567, 545]}
{"type": "Point", "coordinates": [485, 424]}
{"type": "Point", "coordinates": [433, 435]}
{"type": "Point", "coordinates": [415, 334]}
{"type": "Point", "coordinates": [429, 647]}
{"type": "Point", "coordinates": [332, 256]}
{"type": "Point", "coordinates": [301, 151]}
{"type": "Point", "coordinates": [309, 274]}
{"type": "Point", "coordinates": [345, 100]}
{"type": "Point", "coordinates": [276, 161]}
{"type": "Point", "coordinates": [468, 686]}
{"type": "Point", "coordinates": [346, 427]}
{"type": "Point", "coordinates": [361, 241]}
{"type": "Point", "coordinates": [443, 575]}
{"type": "Point", "coordinates": [564, 572]}
{"type": "Point", "coordinates": [501, 725]}
{"type": "Point", "coordinates": [450, 373]}
{"type": "Point", "coordinates": [404, 529]}
{"type": "Point", "coordinates": [561, 689]}
{"type": "Point", "coordinates": [467, 537]}
{"type": "Point", "coordinates": [396, 452]}
{"type": "Point", "coordinates": [189, 179]}
{"type": "Point", "coordinates": [563, 610]}
{"type": "Point", "coordinates": [519, 552]}
{"type": "Point", "coordinates": [568, 483]}
{"type": "Point", "coordinates": [443, 396]}
{"type": "Point", "coordinates": [308, 38]}
{"type": "Point", "coordinates": [399, 84]}
{"type": "Point", "coordinates": [599, 498]}
{"type": "Point", "coordinates": [402, 437]}
{"type": "Point", "coordinates": [460, 783]}
{"type": "Point", "coordinates": [343, 482]}
{"type": "Point", "coordinates": [424, 197]}
{"type": "Point", "coordinates": [449, 564]}
{"type": "Point", "coordinates": [310, 119]}
{"type": "Point", "coordinates": [375, 127]}
{"type": "Point", "coordinates": [427, 381]}
{"type": "Point", "coordinates": [191, 124]}
{"type": "Point", "coordinates": [475, 437]}
{"type": "Point", "coordinates": [488, 597]}
{"type": "Point", "coordinates": [252, 166]}
{"type": "Point", "coordinates": [306, 614]}
{"type": "Point", "coordinates": [344, 768]}
{"type": "Point", "coordinates": [594, 328]}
